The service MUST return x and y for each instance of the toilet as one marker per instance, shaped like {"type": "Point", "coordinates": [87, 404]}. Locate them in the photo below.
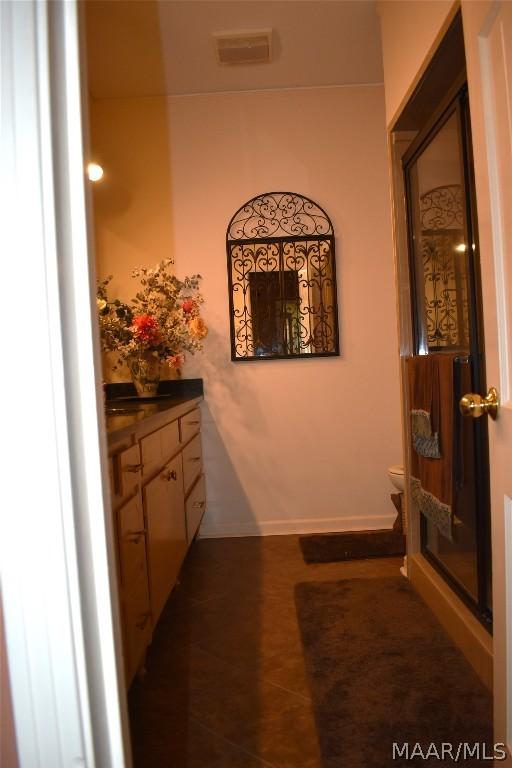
{"type": "Point", "coordinates": [396, 475]}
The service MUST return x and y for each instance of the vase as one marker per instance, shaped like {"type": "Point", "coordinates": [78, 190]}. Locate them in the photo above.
{"type": "Point", "coordinates": [145, 372]}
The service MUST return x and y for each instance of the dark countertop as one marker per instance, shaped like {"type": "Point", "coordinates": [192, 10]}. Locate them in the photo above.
{"type": "Point", "coordinates": [126, 413]}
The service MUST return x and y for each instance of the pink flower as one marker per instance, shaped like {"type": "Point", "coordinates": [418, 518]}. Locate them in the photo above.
{"type": "Point", "coordinates": [145, 329]}
{"type": "Point", "coordinates": [188, 306]}
{"type": "Point", "coordinates": [175, 361]}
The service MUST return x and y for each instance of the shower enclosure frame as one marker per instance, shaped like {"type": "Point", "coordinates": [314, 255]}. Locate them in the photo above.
{"type": "Point", "coordinates": [456, 103]}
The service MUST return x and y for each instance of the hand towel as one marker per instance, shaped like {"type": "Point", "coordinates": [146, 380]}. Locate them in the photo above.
{"type": "Point", "coordinates": [431, 380]}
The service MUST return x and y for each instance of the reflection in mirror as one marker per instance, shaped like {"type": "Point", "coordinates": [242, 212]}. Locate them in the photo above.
{"type": "Point", "coordinates": [282, 279]}
{"type": "Point", "coordinates": [440, 242]}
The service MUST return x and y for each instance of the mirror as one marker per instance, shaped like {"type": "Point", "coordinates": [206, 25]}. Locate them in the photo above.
{"type": "Point", "coordinates": [282, 279]}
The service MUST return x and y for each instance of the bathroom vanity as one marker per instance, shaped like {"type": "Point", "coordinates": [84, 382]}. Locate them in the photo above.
{"type": "Point", "coordinates": [158, 500]}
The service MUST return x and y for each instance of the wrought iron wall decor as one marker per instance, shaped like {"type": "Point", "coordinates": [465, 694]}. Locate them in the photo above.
{"type": "Point", "coordinates": [444, 267]}
{"type": "Point", "coordinates": [282, 279]}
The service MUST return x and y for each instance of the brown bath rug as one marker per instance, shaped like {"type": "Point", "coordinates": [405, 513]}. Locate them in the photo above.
{"type": "Point", "coordinates": [353, 545]}
{"type": "Point", "coordinates": [382, 670]}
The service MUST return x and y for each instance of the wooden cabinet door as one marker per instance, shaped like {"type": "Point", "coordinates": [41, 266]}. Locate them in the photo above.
{"type": "Point", "coordinates": [166, 532]}
{"type": "Point", "coordinates": [134, 591]}
{"type": "Point", "coordinates": [137, 626]}
{"type": "Point", "coordinates": [194, 508]}
{"type": "Point", "coordinates": [132, 541]}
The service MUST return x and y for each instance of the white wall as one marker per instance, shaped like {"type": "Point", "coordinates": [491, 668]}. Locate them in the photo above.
{"type": "Point", "coordinates": [299, 445]}
{"type": "Point", "coordinates": [410, 32]}
{"type": "Point", "coordinates": [132, 207]}
{"type": "Point", "coordinates": [130, 139]}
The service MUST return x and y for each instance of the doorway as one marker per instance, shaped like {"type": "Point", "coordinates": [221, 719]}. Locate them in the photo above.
{"type": "Point", "coordinates": [446, 310]}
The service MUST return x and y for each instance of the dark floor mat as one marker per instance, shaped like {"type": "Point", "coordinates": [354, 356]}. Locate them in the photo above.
{"type": "Point", "coordinates": [353, 545]}
{"type": "Point", "coordinates": [382, 671]}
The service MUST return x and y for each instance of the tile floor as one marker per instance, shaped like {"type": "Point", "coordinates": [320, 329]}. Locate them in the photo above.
{"type": "Point", "coordinates": [226, 685]}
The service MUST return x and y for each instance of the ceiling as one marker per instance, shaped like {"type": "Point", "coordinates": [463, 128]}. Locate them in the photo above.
{"type": "Point", "coordinates": [153, 47]}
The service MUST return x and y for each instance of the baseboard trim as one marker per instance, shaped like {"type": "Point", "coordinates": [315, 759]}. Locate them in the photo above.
{"type": "Point", "coordinates": [462, 626]}
{"type": "Point", "coordinates": [212, 530]}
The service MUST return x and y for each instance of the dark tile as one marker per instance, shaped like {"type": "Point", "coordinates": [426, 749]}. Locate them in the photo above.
{"type": "Point", "coordinates": [244, 708]}
{"type": "Point", "coordinates": [226, 683]}
{"type": "Point", "coordinates": [287, 670]}
{"type": "Point", "coordinates": [285, 737]}
{"type": "Point", "coordinates": [238, 759]}
{"type": "Point", "coordinates": [160, 742]}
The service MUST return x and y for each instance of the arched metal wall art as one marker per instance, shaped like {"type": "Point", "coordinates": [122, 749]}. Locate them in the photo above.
{"type": "Point", "coordinates": [282, 279]}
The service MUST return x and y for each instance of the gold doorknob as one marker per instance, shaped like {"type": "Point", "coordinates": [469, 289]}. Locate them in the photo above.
{"type": "Point", "coordinates": [476, 405]}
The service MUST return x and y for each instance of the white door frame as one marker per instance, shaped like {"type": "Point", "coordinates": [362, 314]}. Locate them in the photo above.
{"type": "Point", "coordinates": [59, 598]}
{"type": "Point", "coordinates": [488, 44]}
{"type": "Point", "coordinates": [487, 31]}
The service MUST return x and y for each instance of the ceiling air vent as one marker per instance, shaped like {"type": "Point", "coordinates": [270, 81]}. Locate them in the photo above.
{"type": "Point", "coordinates": [244, 47]}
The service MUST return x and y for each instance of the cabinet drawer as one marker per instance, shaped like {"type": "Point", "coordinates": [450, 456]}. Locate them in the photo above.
{"type": "Point", "coordinates": [192, 461]}
{"type": "Point", "coordinates": [132, 541]}
{"type": "Point", "coordinates": [129, 471]}
{"type": "Point", "coordinates": [159, 446]}
{"type": "Point", "coordinates": [137, 626]}
{"type": "Point", "coordinates": [195, 506]}
{"type": "Point", "coordinates": [190, 424]}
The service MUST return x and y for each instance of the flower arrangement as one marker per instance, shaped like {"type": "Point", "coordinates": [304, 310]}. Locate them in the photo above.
{"type": "Point", "coordinates": [157, 327]}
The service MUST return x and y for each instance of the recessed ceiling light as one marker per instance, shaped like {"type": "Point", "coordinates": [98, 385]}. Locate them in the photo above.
{"type": "Point", "coordinates": [94, 172]}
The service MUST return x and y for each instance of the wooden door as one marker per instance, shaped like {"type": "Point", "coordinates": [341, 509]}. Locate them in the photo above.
{"type": "Point", "coordinates": [166, 532]}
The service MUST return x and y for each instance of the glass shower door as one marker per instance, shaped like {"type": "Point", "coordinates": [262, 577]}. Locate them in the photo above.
{"type": "Point", "coordinates": [446, 305]}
